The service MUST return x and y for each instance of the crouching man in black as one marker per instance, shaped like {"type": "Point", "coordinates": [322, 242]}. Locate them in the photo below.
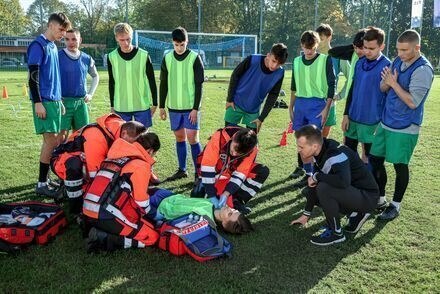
{"type": "Point", "coordinates": [341, 184]}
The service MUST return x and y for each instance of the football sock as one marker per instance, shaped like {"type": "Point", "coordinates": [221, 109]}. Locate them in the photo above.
{"type": "Point", "coordinates": [195, 151]}
{"type": "Point", "coordinates": [43, 173]}
{"type": "Point", "coordinates": [181, 154]}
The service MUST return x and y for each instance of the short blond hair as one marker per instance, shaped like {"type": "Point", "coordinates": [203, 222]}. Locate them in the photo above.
{"type": "Point", "coordinates": [123, 28]}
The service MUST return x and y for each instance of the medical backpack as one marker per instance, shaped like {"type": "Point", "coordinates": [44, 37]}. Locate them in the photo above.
{"type": "Point", "coordinates": [25, 223]}
{"type": "Point", "coordinates": [194, 235]}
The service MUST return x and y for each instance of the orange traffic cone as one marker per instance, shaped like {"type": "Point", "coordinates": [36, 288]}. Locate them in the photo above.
{"type": "Point", "coordinates": [5, 93]}
{"type": "Point", "coordinates": [290, 128]}
{"type": "Point", "coordinates": [283, 141]}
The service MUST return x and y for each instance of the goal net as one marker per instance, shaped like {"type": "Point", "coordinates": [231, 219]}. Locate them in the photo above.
{"type": "Point", "coordinates": [216, 50]}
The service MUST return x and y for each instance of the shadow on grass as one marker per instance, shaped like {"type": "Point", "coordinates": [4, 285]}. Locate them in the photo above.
{"type": "Point", "coordinates": [18, 189]}
{"type": "Point", "coordinates": [274, 147]}
{"type": "Point", "coordinates": [264, 195]}
{"type": "Point", "coordinates": [275, 257]}
{"type": "Point", "coordinates": [18, 193]}
{"type": "Point", "coordinates": [288, 255]}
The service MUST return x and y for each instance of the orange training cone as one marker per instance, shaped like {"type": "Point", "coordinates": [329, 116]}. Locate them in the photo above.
{"type": "Point", "coordinates": [5, 93]}
{"type": "Point", "coordinates": [290, 128]}
{"type": "Point", "coordinates": [283, 141]}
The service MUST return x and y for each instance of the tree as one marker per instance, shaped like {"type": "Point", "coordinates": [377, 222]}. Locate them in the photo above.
{"type": "Point", "coordinates": [95, 10]}
{"type": "Point", "coordinates": [12, 21]}
{"type": "Point", "coordinates": [287, 19]}
{"type": "Point", "coordinates": [39, 11]}
{"type": "Point", "coordinates": [217, 16]}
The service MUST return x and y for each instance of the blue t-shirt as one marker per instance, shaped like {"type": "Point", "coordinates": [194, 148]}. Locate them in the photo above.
{"type": "Point", "coordinates": [44, 53]}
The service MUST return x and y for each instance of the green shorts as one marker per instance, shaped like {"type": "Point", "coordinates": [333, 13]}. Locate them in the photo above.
{"type": "Point", "coordinates": [239, 116]}
{"type": "Point", "coordinates": [331, 120]}
{"type": "Point", "coordinates": [362, 133]}
{"type": "Point", "coordinates": [52, 122]}
{"type": "Point", "coordinates": [394, 146]}
{"type": "Point", "coordinates": [77, 114]}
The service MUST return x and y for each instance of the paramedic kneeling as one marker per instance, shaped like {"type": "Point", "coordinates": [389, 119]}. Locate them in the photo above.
{"type": "Point", "coordinates": [117, 203]}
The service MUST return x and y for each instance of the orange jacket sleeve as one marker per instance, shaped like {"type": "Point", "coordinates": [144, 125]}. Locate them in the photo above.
{"type": "Point", "coordinates": [242, 172]}
{"type": "Point", "coordinates": [95, 150]}
{"type": "Point", "coordinates": [210, 157]}
{"type": "Point", "coordinates": [140, 178]}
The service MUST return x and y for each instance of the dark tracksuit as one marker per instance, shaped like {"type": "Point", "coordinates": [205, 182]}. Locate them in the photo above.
{"type": "Point", "coordinates": [344, 184]}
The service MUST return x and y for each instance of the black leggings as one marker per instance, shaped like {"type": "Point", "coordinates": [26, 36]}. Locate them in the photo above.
{"type": "Point", "coordinates": [380, 174]}
{"type": "Point", "coordinates": [353, 143]}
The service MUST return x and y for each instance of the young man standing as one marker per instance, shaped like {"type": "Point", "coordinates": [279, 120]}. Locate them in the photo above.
{"type": "Point", "coordinates": [313, 89]}
{"type": "Point", "coordinates": [132, 87]}
{"type": "Point", "coordinates": [352, 52]}
{"type": "Point", "coordinates": [252, 80]}
{"type": "Point", "coordinates": [341, 184]}
{"type": "Point", "coordinates": [406, 83]}
{"type": "Point", "coordinates": [181, 78]}
{"type": "Point", "coordinates": [45, 92]}
{"type": "Point", "coordinates": [74, 66]}
{"type": "Point", "coordinates": [325, 33]}
{"type": "Point", "coordinates": [364, 106]}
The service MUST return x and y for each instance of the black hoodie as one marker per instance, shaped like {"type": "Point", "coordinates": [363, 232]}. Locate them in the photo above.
{"type": "Point", "coordinates": [340, 167]}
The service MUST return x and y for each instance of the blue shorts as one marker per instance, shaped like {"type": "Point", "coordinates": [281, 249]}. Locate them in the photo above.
{"type": "Point", "coordinates": [180, 120]}
{"type": "Point", "coordinates": [144, 117]}
{"type": "Point", "coordinates": [306, 111]}
{"type": "Point", "coordinates": [156, 197]}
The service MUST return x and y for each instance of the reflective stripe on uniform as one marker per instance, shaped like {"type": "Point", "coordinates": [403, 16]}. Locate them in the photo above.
{"type": "Point", "coordinates": [92, 197]}
{"type": "Point", "coordinates": [251, 191]}
{"type": "Point", "coordinates": [105, 174]}
{"type": "Point", "coordinates": [208, 180]}
{"type": "Point", "coordinates": [92, 174]}
{"type": "Point", "coordinates": [116, 212]}
{"type": "Point", "coordinates": [144, 203]}
{"type": "Point", "coordinates": [74, 194]}
{"type": "Point", "coordinates": [127, 243]}
{"type": "Point", "coordinates": [254, 183]}
{"type": "Point", "coordinates": [91, 206]}
{"type": "Point", "coordinates": [125, 185]}
{"type": "Point", "coordinates": [240, 175]}
{"type": "Point", "coordinates": [236, 181]}
{"type": "Point", "coordinates": [74, 183]}
{"type": "Point", "coordinates": [206, 168]}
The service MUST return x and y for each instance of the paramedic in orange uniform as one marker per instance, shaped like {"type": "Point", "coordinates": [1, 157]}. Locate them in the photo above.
{"type": "Point", "coordinates": [89, 145]}
{"type": "Point", "coordinates": [228, 169]}
{"type": "Point", "coordinates": [118, 203]}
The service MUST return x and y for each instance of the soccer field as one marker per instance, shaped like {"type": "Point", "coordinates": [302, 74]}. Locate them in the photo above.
{"type": "Point", "coordinates": [399, 256]}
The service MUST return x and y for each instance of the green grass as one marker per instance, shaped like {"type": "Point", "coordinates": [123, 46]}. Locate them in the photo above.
{"type": "Point", "coordinates": [401, 256]}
